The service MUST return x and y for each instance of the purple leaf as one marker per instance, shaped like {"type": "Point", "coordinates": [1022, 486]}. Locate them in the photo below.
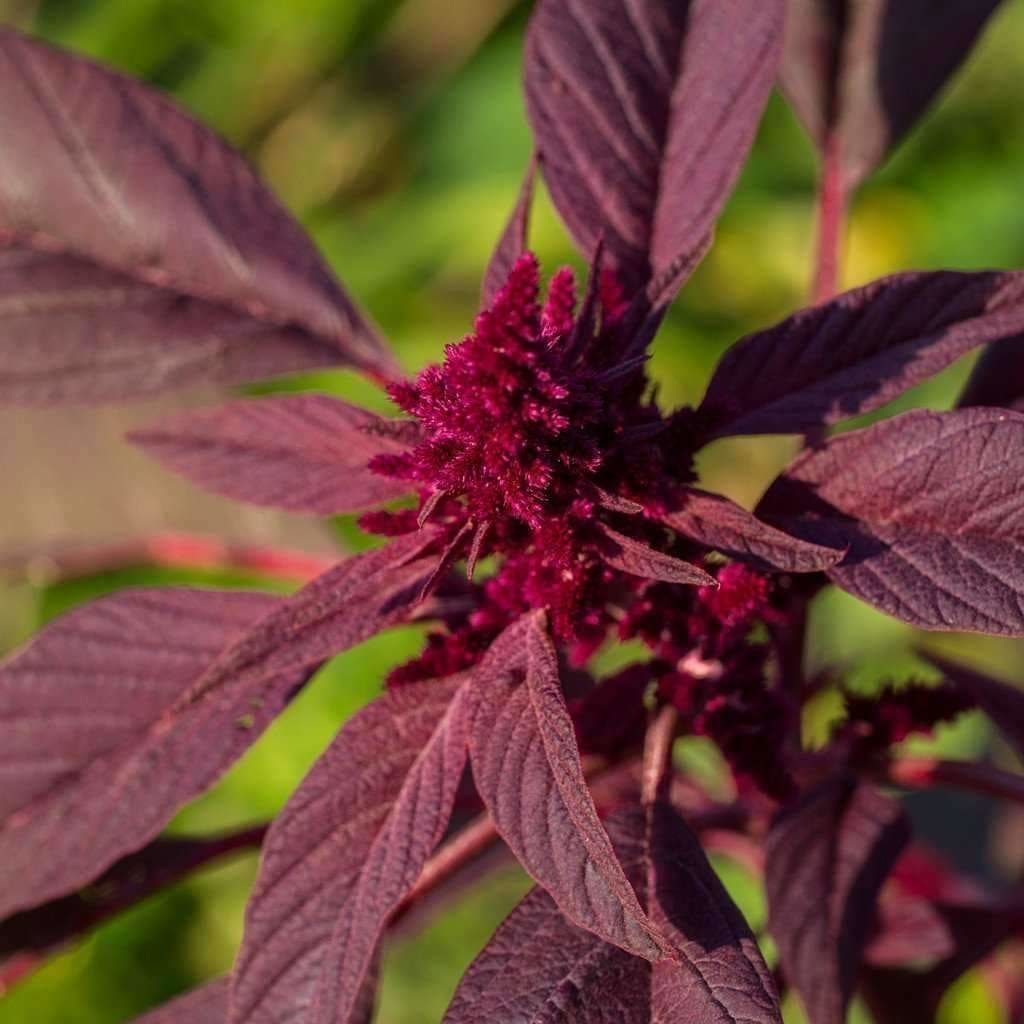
{"type": "Point", "coordinates": [998, 376]}
{"type": "Point", "coordinates": [26, 939]}
{"type": "Point", "coordinates": [931, 507]}
{"type": "Point", "coordinates": [860, 74]}
{"type": "Point", "coordinates": [638, 559]}
{"type": "Point", "coordinates": [826, 859]}
{"type": "Point", "coordinates": [908, 996]}
{"type": "Point", "coordinates": [527, 769]}
{"type": "Point", "coordinates": [139, 252]}
{"type": "Point", "coordinates": [859, 351]}
{"type": "Point", "coordinates": [540, 967]}
{"type": "Point", "coordinates": [717, 522]}
{"type": "Point", "coordinates": [720, 977]}
{"type": "Point", "coordinates": [1002, 702]}
{"type": "Point", "coordinates": [306, 453]}
{"type": "Point", "coordinates": [513, 241]}
{"type": "Point", "coordinates": [907, 930]}
{"type": "Point", "coordinates": [119, 790]}
{"type": "Point", "coordinates": [643, 112]}
{"type": "Point", "coordinates": [378, 801]}
{"type": "Point", "coordinates": [97, 678]}
{"type": "Point", "coordinates": [205, 1005]}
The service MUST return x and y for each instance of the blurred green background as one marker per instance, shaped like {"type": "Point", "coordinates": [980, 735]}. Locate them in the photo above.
{"type": "Point", "coordinates": [394, 129]}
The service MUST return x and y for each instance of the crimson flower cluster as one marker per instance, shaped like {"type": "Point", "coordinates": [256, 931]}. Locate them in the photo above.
{"type": "Point", "coordinates": [538, 512]}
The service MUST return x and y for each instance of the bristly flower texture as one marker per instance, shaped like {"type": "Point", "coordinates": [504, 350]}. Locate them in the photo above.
{"type": "Point", "coordinates": [542, 519]}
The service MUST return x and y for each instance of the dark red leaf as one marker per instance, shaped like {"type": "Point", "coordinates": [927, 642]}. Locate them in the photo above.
{"type": "Point", "coordinates": [859, 351]}
{"type": "Point", "coordinates": [907, 996]}
{"type": "Point", "coordinates": [638, 559]}
{"type": "Point", "coordinates": [118, 791]}
{"type": "Point", "coordinates": [96, 678]}
{"type": "Point", "coordinates": [205, 1005]}
{"type": "Point", "coordinates": [513, 241]}
{"type": "Point", "coordinates": [379, 800]}
{"type": "Point", "coordinates": [931, 507]}
{"type": "Point", "coordinates": [306, 453]}
{"type": "Point", "coordinates": [859, 73]}
{"type": "Point", "coordinates": [907, 931]}
{"type": "Point", "coordinates": [540, 967]}
{"type": "Point", "coordinates": [643, 112]}
{"type": "Point", "coordinates": [527, 769]}
{"type": "Point", "coordinates": [138, 251]}
{"type": "Point", "coordinates": [826, 860]}
{"type": "Point", "coordinates": [28, 938]}
{"type": "Point", "coordinates": [717, 522]}
{"type": "Point", "coordinates": [998, 376]}
{"type": "Point", "coordinates": [1002, 702]}
{"type": "Point", "coordinates": [722, 978]}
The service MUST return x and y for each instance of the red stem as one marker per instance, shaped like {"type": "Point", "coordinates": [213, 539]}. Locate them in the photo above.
{"type": "Point", "coordinates": [929, 772]}
{"type": "Point", "coordinates": [167, 550]}
{"type": "Point", "coordinates": [831, 223]}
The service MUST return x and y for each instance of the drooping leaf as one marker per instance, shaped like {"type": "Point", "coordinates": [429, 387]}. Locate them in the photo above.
{"type": "Point", "coordinates": [719, 523]}
{"type": "Point", "coordinates": [638, 559]}
{"type": "Point", "coordinates": [378, 802]}
{"type": "Point", "coordinates": [859, 351]}
{"type": "Point", "coordinates": [997, 378]}
{"type": "Point", "coordinates": [898, 995]}
{"type": "Point", "coordinates": [96, 678]}
{"type": "Point", "coordinates": [306, 453]}
{"type": "Point", "coordinates": [513, 241]}
{"type": "Point", "coordinates": [931, 509]}
{"type": "Point", "coordinates": [123, 789]}
{"type": "Point", "coordinates": [527, 769]}
{"type": "Point", "coordinates": [860, 73]}
{"type": "Point", "coordinates": [139, 252]}
{"type": "Point", "coordinates": [907, 931]}
{"type": "Point", "coordinates": [722, 977]}
{"type": "Point", "coordinates": [1002, 702]}
{"type": "Point", "coordinates": [826, 859]}
{"type": "Point", "coordinates": [28, 938]}
{"type": "Point", "coordinates": [205, 1005]}
{"type": "Point", "coordinates": [540, 967]}
{"type": "Point", "coordinates": [643, 113]}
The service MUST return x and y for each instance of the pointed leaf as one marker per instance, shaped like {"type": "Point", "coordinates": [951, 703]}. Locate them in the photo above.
{"type": "Point", "coordinates": [643, 113]}
{"type": "Point", "coordinates": [861, 72]}
{"type": "Point", "coordinates": [205, 1005]}
{"type": "Point", "coordinates": [859, 351]}
{"type": "Point", "coordinates": [717, 522]}
{"type": "Point", "coordinates": [826, 859]}
{"type": "Point", "coordinates": [638, 559]}
{"type": "Point", "coordinates": [139, 252]}
{"type": "Point", "coordinates": [125, 790]}
{"type": "Point", "coordinates": [998, 376]}
{"type": "Point", "coordinates": [377, 802]}
{"type": "Point", "coordinates": [1002, 702]}
{"type": "Point", "coordinates": [513, 241]}
{"type": "Point", "coordinates": [96, 678]}
{"type": "Point", "coordinates": [908, 996]}
{"type": "Point", "coordinates": [721, 977]}
{"type": "Point", "coordinates": [527, 769]}
{"type": "Point", "coordinates": [26, 939]}
{"type": "Point", "coordinates": [540, 967]}
{"type": "Point", "coordinates": [306, 453]}
{"type": "Point", "coordinates": [931, 507]}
